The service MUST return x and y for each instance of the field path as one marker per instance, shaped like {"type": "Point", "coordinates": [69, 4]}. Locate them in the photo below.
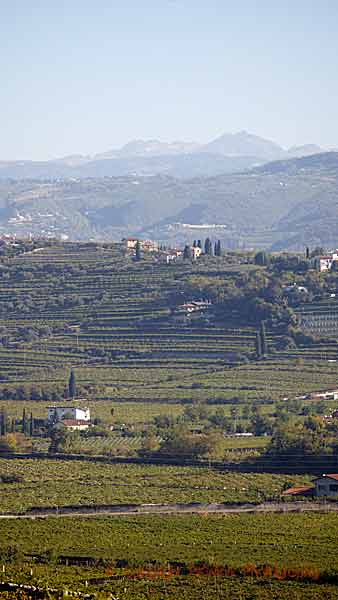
{"type": "Point", "coordinates": [122, 510]}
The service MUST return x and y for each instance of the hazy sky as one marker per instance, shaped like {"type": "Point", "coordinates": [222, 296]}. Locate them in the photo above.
{"type": "Point", "coordinates": [84, 76]}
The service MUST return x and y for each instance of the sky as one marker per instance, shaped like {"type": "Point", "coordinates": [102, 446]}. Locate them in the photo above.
{"type": "Point", "coordinates": [86, 76]}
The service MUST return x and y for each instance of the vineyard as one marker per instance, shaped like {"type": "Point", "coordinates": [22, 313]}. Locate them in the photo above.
{"type": "Point", "coordinates": [39, 483]}
{"type": "Point", "coordinates": [265, 557]}
{"type": "Point", "coordinates": [90, 308]}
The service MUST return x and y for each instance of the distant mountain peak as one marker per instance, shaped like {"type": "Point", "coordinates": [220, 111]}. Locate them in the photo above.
{"type": "Point", "coordinates": [151, 147]}
{"type": "Point", "coordinates": [243, 143]}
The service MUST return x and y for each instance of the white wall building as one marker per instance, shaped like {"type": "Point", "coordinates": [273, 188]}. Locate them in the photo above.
{"type": "Point", "coordinates": [61, 413]}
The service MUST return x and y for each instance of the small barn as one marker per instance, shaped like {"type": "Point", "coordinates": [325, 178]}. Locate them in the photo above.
{"type": "Point", "coordinates": [325, 485]}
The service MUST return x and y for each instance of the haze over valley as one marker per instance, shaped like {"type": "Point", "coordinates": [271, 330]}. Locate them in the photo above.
{"type": "Point", "coordinates": [250, 191]}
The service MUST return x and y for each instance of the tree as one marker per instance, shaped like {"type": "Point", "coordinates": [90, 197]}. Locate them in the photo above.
{"type": "Point", "coordinates": [264, 342]}
{"type": "Point", "coordinates": [3, 422]}
{"type": "Point", "coordinates": [24, 421]}
{"type": "Point", "coordinates": [307, 253]}
{"type": "Point", "coordinates": [234, 416]}
{"type": "Point", "coordinates": [138, 250]}
{"type": "Point", "coordinates": [208, 247]}
{"type": "Point", "coordinates": [31, 425]}
{"type": "Point", "coordinates": [199, 244]}
{"type": "Point", "coordinates": [258, 344]}
{"type": "Point", "coordinates": [218, 248]}
{"type": "Point", "coordinates": [187, 255]}
{"type": "Point", "coordinates": [261, 424]}
{"type": "Point", "coordinates": [8, 444]}
{"type": "Point", "coordinates": [261, 258]}
{"type": "Point", "coordinates": [72, 385]}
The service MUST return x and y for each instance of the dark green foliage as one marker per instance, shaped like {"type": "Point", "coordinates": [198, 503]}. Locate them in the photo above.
{"type": "Point", "coordinates": [261, 258]}
{"type": "Point", "coordinates": [258, 345]}
{"type": "Point", "coordinates": [187, 254]}
{"type": "Point", "coordinates": [31, 425]}
{"type": "Point", "coordinates": [138, 254]}
{"type": "Point", "coordinates": [264, 343]}
{"type": "Point", "coordinates": [3, 422]}
{"type": "Point", "coordinates": [218, 248]}
{"type": "Point", "coordinates": [24, 422]}
{"type": "Point", "coordinates": [208, 247]}
{"type": "Point", "coordinates": [72, 385]}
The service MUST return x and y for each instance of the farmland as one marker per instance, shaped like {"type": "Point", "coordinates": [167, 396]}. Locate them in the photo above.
{"type": "Point", "coordinates": [89, 308]}
{"type": "Point", "coordinates": [147, 374]}
{"type": "Point", "coordinates": [149, 545]}
{"type": "Point", "coordinates": [60, 483]}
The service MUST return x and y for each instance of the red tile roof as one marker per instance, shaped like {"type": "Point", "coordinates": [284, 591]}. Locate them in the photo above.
{"type": "Point", "coordinates": [299, 491]}
{"type": "Point", "coordinates": [328, 475]}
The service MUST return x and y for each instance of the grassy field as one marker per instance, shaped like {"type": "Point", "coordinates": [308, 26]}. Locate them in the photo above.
{"type": "Point", "coordinates": [281, 541]}
{"type": "Point", "coordinates": [62, 483]}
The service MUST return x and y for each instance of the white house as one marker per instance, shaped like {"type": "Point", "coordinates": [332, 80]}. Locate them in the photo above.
{"type": "Point", "coordinates": [62, 413]}
{"type": "Point", "coordinates": [325, 263]}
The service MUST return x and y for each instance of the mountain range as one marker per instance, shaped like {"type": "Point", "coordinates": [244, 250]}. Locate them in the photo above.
{"type": "Point", "coordinates": [228, 153]}
{"type": "Point", "coordinates": [279, 205]}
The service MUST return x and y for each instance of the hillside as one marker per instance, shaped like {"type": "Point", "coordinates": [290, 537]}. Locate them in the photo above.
{"type": "Point", "coordinates": [284, 204]}
{"type": "Point", "coordinates": [228, 153]}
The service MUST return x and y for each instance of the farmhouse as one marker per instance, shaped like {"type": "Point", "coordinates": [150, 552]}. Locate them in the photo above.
{"type": "Point", "coordinates": [196, 252]}
{"type": "Point", "coordinates": [327, 262]}
{"type": "Point", "coordinates": [129, 243]}
{"type": "Point", "coordinates": [172, 255]}
{"type": "Point", "coordinates": [65, 413]}
{"type": "Point", "coordinates": [325, 485]}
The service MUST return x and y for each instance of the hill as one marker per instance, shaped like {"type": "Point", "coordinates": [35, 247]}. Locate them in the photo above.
{"type": "Point", "coordinates": [284, 204]}
{"type": "Point", "coordinates": [228, 153]}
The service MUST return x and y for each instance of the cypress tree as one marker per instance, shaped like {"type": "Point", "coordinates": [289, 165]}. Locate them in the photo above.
{"type": "Point", "coordinates": [2, 422]}
{"type": "Point", "coordinates": [207, 246]}
{"type": "Point", "coordinates": [187, 252]}
{"type": "Point", "coordinates": [199, 244]}
{"type": "Point", "coordinates": [31, 425]}
{"type": "Point", "coordinates": [195, 244]}
{"type": "Point", "coordinates": [215, 249]}
{"type": "Point", "coordinates": [24, 421]}
{"type": "Point", "coordinates": [307, 252]}
{"type": "Point", "coordinates": [263, 339]}
{"type": "Point", "coordinates": [258, 345]}
{"type": "Point", "coordinates": [72, 385]}
{"type": "Point", "coordinates": [138, 250]}
{"type": "Point", "coordinates": [219, 248]}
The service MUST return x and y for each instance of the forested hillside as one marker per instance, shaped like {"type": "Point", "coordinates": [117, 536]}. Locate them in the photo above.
{"type": "Point", "coordinates": [286, 204]}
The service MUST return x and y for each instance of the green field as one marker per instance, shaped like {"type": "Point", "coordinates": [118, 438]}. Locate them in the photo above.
{"type": "Point", "coordinates": [289, 541]}
{"type": "Point", "coordinates": [61, 483]}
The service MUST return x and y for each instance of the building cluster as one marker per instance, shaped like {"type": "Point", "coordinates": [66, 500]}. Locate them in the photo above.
{"type": "Point", "coordinates": [130, 243]}
{"type": "Point", "coordinates": [72, 418]}
{"type": "Point", "coordinates": [194, 306]}
{"type": "Point", "coordinates": [327, 262]}
{"type": "Point", "coordinates": [168, 255]}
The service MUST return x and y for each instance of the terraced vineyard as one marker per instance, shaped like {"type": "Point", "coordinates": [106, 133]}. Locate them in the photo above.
{"type": "Point", "coordinates": [110, 318]}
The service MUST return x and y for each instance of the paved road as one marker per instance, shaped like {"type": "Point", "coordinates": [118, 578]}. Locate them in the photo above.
{"type": "Point", "coordinates": [173, 509]}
